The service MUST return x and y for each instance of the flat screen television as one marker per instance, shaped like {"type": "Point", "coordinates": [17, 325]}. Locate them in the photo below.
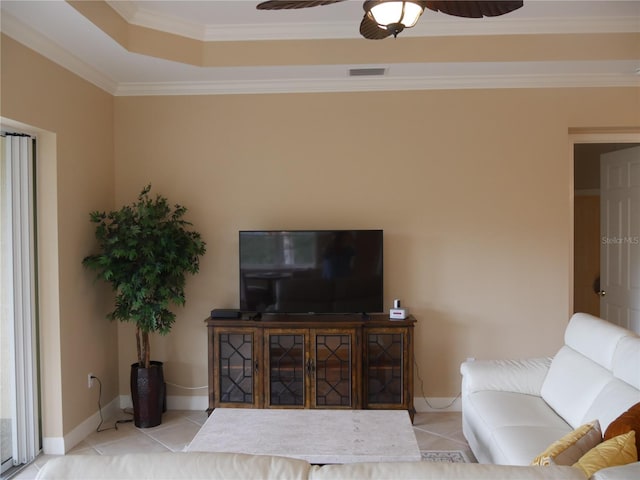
{"type": "Point", "coordinates": [311, 271]}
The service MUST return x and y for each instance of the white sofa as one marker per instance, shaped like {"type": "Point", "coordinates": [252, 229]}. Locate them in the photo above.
{"type": "Point", "coordinates": [238, 466]}
{"type": "Point", "coordinates": [513, 410]}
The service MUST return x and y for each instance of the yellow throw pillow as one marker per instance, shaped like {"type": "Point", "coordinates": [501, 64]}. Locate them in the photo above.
{"type": "Point", "coordinates": [619, 450]}
{"type": "Point", "coordinates": [572, 446]}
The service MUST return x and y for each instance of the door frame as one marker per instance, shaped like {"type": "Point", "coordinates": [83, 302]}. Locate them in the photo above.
{"type": "Point", "coordinates": [588, 136]}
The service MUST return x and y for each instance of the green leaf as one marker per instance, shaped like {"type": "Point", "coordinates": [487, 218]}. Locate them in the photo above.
{"type": "Point", "coordinates": [146, 249]}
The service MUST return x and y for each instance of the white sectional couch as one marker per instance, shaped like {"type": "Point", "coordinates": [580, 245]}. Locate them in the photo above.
{"type": "Point", "coordinates": [514, 409]}
{"type": "Point", "coordinates": [238, 466]}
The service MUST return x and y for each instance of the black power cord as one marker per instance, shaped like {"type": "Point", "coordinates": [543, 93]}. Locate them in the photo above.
{"type": "Point", "coordinates": [424, 397]}
{"type": "Point", "coordinates": [115, 425]}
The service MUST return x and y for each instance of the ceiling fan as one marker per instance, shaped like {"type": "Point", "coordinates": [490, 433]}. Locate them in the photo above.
{"type": "Point", "coordinates": [383, 18]}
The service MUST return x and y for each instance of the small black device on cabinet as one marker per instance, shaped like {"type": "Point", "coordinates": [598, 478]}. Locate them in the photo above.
{"type": "Point", "coordinates": [224, 314]}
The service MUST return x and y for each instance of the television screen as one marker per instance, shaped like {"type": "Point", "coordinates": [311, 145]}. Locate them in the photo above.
{"type": "Point", "coordinates": [295, 271]}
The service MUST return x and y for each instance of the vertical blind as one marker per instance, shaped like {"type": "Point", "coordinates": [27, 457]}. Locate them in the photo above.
{"type": "Point", "coordinates": [19, 288]}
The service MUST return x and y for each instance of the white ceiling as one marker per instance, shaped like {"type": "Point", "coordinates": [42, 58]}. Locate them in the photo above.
{"type": "Point", "coordinates": [61, 33]}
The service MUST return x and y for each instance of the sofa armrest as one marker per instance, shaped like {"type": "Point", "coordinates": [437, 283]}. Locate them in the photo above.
{"type": "Point", "coordinates": [518, 376]}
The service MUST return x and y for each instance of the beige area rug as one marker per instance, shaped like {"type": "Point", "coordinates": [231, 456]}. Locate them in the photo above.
{"type": "Point", "coordinates": [445, 456]}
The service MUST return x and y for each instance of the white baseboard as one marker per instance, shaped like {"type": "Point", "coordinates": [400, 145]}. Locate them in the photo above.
{"type": "Point", "coordinates": [125, 401]}
{"type": "Point", "coordinates": [53, 445]}
{"type": "Point", "coordinates": [61, 445]}
{"type": "Point", "coordinates": [175, 402]}
{"type": "Point", "coordinates": [437, 404]}
{"type": "Point", "coordinates": [182, 402]}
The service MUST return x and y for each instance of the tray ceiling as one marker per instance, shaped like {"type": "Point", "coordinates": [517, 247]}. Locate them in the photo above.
{"type": "Point", "coordinates": [225, 47]}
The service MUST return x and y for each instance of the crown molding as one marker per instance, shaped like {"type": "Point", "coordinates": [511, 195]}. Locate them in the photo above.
{"type": "Point", "coordinates": [24, 34]}
{"type": "Point", "coordinates": [377, 84]}
{"type": "Point", "coordinates": [34, 40]}
{"type": "Point", "coordinates": [144, 17]}
{"type": "Point", "coordinates": [347, 29]}
{"type": "Point", "coordinates": [441, 27]}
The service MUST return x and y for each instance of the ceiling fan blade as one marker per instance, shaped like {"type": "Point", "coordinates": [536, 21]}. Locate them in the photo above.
{"type": "Point", "coordinates": [474, 9]}
{"type": "Point", "coordinates": [371, 30]}
{"type": "Point", "coordinates": [291, 5]}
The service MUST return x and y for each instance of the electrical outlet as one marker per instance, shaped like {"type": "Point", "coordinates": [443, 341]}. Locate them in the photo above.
{"type": "Point", "coordinates": [90, 380]}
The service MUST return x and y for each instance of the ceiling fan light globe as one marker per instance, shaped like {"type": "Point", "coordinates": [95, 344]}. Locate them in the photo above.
{"type": "Point", "coordinates": [405, 13]}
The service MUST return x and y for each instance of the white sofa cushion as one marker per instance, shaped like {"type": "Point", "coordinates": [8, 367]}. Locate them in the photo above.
{"type": "Point", "coordinates": [440, 471]}
{"type": "Point", "coordinates": [594, 338]}
{"type": "Point", "coordinates": [626, 361]}
{"type": "Point", "coordinates": [508, 409]}
{"type": "Point", "coordinates": [616, 397]}
{"type": "Point", "coordinates": [172, 465]}
{"type": "Point", "coordinates": [624, 472]}
{"type": "Point", "coordinates": [520, 445]}
{"type": "Point", "coordinates": [572, 384]}
{"type": "Point", "coordinates": [512, 428]}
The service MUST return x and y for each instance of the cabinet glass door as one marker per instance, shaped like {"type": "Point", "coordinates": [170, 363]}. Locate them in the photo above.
{"type": "Point", "coordinates": [236, 364]}
{"type": "Point", "coordinates": [286, 360]}
{"type": "Point", "coordinates": [384, 368]}
{"type": "Point", "coordinates": [332, 369]}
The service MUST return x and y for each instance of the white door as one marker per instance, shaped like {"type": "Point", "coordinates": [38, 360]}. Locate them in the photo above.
{"type": "Point", "coordinates": [620, 237]}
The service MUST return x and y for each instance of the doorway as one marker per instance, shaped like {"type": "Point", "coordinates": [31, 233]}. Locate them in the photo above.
{"type": "Point", "coordinates": [587, 238]}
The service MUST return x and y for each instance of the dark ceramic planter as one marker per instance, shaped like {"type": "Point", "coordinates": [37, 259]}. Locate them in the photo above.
{"type": "Point", "coordinates": [148, 393]}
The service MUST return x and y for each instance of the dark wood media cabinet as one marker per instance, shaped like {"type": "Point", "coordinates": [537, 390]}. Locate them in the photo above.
{"type": "Point", "coordinates": [311, 361]}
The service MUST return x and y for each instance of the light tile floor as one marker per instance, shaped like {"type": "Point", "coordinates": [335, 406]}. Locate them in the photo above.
{"type": "Point", "coordinates": [434, 431]}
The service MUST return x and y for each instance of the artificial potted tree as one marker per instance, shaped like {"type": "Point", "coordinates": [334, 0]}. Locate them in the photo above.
{"type": "Point", "coordinates": [145, 252]}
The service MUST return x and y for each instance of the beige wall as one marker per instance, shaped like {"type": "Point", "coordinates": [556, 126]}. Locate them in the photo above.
{"type": "Point", "coordinates": [76, 338]}
{"type": "Point", "coordinates": [472, 189]}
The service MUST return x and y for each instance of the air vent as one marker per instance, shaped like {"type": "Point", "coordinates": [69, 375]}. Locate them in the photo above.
{"type": "Point", "coordinates": [367, 72]}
